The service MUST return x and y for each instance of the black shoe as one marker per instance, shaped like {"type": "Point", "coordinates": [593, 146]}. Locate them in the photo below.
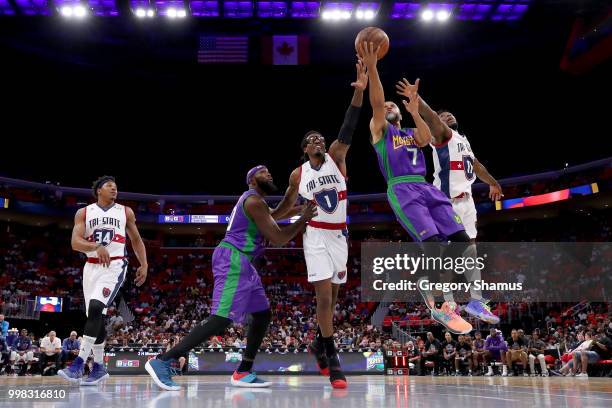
{"type": "Point", "coordinates": [336, 376]}
{"type": "Point", "coordinates": [316, 348]}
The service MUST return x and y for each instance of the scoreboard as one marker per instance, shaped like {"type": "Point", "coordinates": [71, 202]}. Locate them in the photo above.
{"type": "Point", "coordinates": [396, 362]}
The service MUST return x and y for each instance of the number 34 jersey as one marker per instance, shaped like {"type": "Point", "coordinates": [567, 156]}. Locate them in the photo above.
{"type": "Point", "coordinates": [326, 187]}
{"type": "Point", "coordinates": [106, 227]}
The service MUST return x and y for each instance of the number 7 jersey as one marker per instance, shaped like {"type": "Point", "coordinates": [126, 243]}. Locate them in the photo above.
{"type": "Point", "coordinates": [398, 154]}
{"type": "Point", "coordinates": [326, 187]}
{"type": "Point", "coordinates": [106, 227]}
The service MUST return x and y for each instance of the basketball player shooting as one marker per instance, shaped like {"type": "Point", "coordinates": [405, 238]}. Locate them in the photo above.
{"type": "Point", "coordinates": [321, 179]}
{"type": "Point", "coordinates": [237, 287]}
{"type": "Point", "coordinates": [424, 212]}
{"type": "Point", "coordinates": [455, 168]}
{"type": "Point", "coordinates": [99, 232]}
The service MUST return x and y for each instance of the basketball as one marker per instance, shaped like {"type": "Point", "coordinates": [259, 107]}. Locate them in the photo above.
{"type": "Point", "coordinates": [375, 35]}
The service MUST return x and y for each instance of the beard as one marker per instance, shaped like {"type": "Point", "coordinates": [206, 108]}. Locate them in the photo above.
{"type": "Point", "coordinates": [454, 126]}
{"type": "Point", "coordinates": [319, 154]}
{"type": "Point", "coordinates": [267, 187]}
{"type": "Point", "coordinates": [392, 117]}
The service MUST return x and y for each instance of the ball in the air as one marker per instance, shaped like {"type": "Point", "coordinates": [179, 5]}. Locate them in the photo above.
{"type": "Point", "coordinates": [376, 36]}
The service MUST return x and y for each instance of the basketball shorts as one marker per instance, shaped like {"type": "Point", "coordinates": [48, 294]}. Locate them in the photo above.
{"type": "Point", "coordinates": [102, 283]}
{"type": "Point", "coordinates": [326, 254]}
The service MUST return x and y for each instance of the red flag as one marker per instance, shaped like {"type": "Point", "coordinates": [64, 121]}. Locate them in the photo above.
{"type": "Point", "coordinates": [286, 50]}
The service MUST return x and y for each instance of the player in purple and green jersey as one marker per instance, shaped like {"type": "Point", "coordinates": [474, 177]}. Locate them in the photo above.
{"type": "Point", "coordinates": [237, 287]}
{"type": "Point", "coordinates": [423, 210]}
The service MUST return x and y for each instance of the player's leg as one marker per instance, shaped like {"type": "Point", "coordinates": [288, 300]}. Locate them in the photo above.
{"type": "Point", "coordinates": [259, 308]}
{"type": "Point", "coordinates": [323, 291]}
{"type": "Point", "coordinates": [227, 295]}
{"type": "Point", "coordinates": [98, 372]}
{"type": "Point", "coordinates": [337, 245]}
{"type": "Point", "coordinates": [477, 306]}
{"type": "Point", "coordinates": [320, 270]}
{"type": "Point", "coordinates": [411, 211]}
{"type": "Point", "coordinates": [97, 288]}
{"type": "Point", "coordinates": [338, 251]}
{"type": "Point", "coordinates": [449, 225]}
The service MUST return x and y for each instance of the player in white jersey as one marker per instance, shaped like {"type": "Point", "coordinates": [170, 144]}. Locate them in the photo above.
{"type": "Point", "coordinates": [455, 169]}
{"type": "Point", "coordinates": [100, 233]}
{"type": "Point", "coordinates": [322, 180]}
{"type": "Point", "coordinates": [443, 133]}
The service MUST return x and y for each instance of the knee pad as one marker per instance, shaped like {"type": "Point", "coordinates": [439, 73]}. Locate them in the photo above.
{"type": "Point", "coordinates": [95, 308]}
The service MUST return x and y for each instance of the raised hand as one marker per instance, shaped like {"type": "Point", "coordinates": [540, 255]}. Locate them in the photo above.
{"type": "Point", "coordinates": [412, 106]}
{"type": "Point", "coordinates": [405, 88]}
{"type": "Point", "coordinates": [361, 82]}
{"type": "Point", "coordinates": [368, 54]}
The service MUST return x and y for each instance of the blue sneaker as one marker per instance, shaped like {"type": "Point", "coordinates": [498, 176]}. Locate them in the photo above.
{"type": "Point", "coordinates": [98, 374]}
{"type": "Point", "coordinates": [162, 372]}
{"type": "Point", "coordinates": [74, 372]}
{"type": "Point", "coordinates": [481, 310]}
{"type": "Point", "coordinates": [248, 380]}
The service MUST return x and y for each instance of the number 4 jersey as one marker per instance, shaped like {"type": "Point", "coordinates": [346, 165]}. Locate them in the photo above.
{"type": "Point", "coordinates": [327, 188]}
{"type": "Point", "coordinates": [106, 227]}
{"type": "Point", "coordinates": [454, 166]}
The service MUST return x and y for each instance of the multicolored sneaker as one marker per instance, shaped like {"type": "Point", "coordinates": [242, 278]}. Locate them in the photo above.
{"type": "Point", "coordinates": [316, 348]}
{"type": "Point", "coordinates": [74, 372]}
{"type": "Point", "coordinates": [248, 379]}
{"type": "Point", "coordinates": [98, 374]}
{"type": "Point", "coordinates": [448, 317]}
{"type": "Point", "coordinates": [162, 372]}
{"type": "Point", "coordinates": [481, 310]}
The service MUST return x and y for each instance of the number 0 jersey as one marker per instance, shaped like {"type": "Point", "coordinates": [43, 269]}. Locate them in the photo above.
{"type": "Point", "coordinates": [106, 227]}
{"type": "Point", "coordinates": [327, 188]}
{"type": "Point", "coordinates": [454, 166]}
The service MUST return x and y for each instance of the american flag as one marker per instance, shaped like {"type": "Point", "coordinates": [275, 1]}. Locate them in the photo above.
{"type": "Point", "coordinates": [223, 50]}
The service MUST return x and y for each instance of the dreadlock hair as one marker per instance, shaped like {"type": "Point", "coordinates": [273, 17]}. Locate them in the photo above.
{"type": "Point", "coordinates": [99, 183]}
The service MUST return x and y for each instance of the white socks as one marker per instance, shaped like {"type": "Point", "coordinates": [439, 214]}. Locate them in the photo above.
{"type": "Point", "coordinates": [86, 346]}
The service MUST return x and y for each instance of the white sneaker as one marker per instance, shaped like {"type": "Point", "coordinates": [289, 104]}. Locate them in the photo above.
{"type": "Point", "coordinates": [504, 373]}
{"type": "Point", "coordinates": [544, 374]}
{"type": "Point", "coordinates": [582, 375]}
{"type": "Point", "coordinates": [527, 375]}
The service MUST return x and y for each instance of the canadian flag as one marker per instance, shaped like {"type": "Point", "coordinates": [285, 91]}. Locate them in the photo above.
{"type": "Point", "coordinates": [285, 49]}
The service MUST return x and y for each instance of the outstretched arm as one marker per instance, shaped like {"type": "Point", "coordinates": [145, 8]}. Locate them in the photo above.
{"type": "Point", "coordinates": [339, 148]}
{"type": "Point", "coordinates": [378, 123]}
{"type": "Point", "coordinates": [286, 208]}
{"type": "Point", "coordinates": [422, 134]}
{"type": "Point", "coordinates": [259, 211]}
{"type": "Point", "coordinates": [439, 130]}
{"type": "Point", "coordinates": [495, 189]}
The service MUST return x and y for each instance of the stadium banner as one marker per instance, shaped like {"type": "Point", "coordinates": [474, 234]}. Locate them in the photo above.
{"type": "Point", "coordinates": [501, 271]}
{"type": "Point", "coordinates": [209, 219]}
{"type": "Point", "coordinates": [225, 362]}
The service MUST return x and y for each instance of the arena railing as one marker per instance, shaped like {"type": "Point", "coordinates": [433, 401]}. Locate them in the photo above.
{"type": "Point", "coordinates": [164, 198]}
{"type": "Point", "coordinates": [154, 348]}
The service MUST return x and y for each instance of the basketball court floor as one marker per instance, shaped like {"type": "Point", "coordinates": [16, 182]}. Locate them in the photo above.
{"type": "Point", "coordinates": [313, 391]}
